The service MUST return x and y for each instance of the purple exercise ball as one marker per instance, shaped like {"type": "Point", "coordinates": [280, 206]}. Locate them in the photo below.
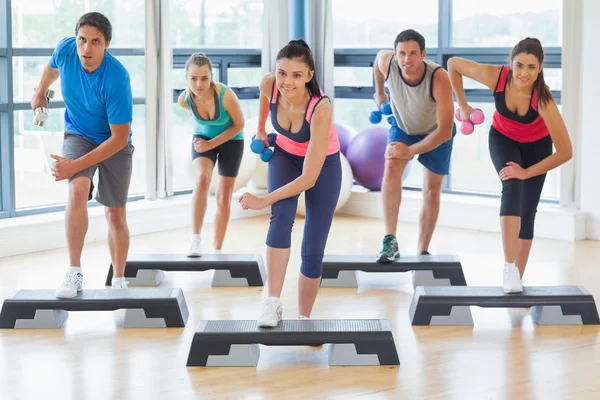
{"type": "Point", "coordinates": [345, 134]}
{"type": "Point", "coordinates": [366, 155]}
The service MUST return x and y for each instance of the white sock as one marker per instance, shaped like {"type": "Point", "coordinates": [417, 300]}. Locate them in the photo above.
{"type": "Point", "coordinates": [74, 270]}
{"type": "Point", "coordinates": [118, 280]}
{"type": "Point", "coordinates": [217, 251]}
{"type": "Point", "coordinates": [196, 236]}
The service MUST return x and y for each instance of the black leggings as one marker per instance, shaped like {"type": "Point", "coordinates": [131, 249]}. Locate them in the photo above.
{"type": "Point", "coordinates": [520, 197]}
{"type": "Point", "coordinates": [229, 153]}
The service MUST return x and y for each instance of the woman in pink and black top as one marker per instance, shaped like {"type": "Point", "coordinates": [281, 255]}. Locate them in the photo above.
{"type": "Point", "coordinates": [525, 125]}
{"type": "Point", "coordinates": [306, 159]}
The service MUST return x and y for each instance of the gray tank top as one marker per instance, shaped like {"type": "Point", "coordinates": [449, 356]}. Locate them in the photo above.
{"type": "Point", "coordinates": [413, 106]}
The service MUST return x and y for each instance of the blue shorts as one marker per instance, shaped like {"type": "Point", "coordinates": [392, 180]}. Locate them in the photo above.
{"type": "Point", "coordinates": [436, 160]}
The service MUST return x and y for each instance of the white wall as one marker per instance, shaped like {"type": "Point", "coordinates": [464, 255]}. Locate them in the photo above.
{"type": "Point", "coordinates": [589, 156]}
{"type": "Point", "coordinates": [40, 232]}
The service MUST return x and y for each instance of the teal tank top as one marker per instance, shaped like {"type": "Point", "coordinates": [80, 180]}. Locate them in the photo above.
{"type": "Point", "coordinates": [213, 127]}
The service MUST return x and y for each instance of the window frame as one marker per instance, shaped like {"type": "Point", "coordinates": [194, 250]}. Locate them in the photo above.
{"type": "Point", "coordinates": [364, 57]}
{"type": "Point", "coordinates": [222, 58]}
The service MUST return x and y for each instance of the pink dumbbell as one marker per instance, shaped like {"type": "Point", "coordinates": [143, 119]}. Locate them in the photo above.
{"type": "Point", "coordinates": [476, 118]}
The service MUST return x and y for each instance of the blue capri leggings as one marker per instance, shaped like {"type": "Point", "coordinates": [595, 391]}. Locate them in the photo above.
{"type": "Point", "coordinates": [320, 202]}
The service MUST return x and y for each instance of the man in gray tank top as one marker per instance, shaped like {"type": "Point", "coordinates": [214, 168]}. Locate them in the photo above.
{"type": "Point", "coordinates": [422, 104]}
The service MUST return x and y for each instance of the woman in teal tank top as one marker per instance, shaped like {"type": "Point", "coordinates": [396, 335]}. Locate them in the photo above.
{"type": "Point", "coordinates": [217, 136]}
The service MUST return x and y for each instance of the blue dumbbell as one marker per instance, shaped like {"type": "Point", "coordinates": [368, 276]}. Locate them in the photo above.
{"type": "Point", "coordinates": [258, 147]}
{"type": "Point", "coordinates": [395, 130]}
{"type": "Point", "coordinates": [266, 155]}
{"type": "Point", "coordinates": [385, 109]}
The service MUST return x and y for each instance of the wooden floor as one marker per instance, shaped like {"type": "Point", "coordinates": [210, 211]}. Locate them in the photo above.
{"type": "Point", "coordinates": [504, 356]}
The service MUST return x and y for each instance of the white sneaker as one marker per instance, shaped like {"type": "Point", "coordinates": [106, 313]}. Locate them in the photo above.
{"type": "Point", "coordinates": [303, 317]}
{"type": "Point", "coordinates": [120, 284]}
{"type": "Point", "coordinates": [195, 247]}
{"type": "Point", "coordinates": [271, 313]}
{"type": "Point", "coordinates": [72, 284]}
{"type": "Point", "coordinates": [512, 279]}
{"type": "Point", "coordinates": [217, 251]}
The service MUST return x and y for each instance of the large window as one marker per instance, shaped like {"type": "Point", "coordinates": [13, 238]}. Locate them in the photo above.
{"type": "Point", "coordinates": [471, 167]}
{"type": "Point", "coordinates": [216, 24]}
{"type": "Point", "coordinates": [468, 28]}
{"type": "Point", "coordinates": [477, 23]}
{"type": "Point", "coordinates": [375, 24]}
{"type": "Point", "coordinates": [229, 33]}
{"type": "Point", "coordinates": [36, 27]}
{"type": "Point", "coordinates": [34, 183]}
{"type": "Point", "coordinates": [26, 75]}
{"type": "Point", "coordinates": [244, 83]}
{"type": "Point", "coordinates": [43, 23]}
{"type": "Point", "coordinates": [352, 76]}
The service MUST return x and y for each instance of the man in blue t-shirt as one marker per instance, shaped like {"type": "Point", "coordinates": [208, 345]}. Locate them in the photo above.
{"type": "Point", "coordinates": [97, 94]}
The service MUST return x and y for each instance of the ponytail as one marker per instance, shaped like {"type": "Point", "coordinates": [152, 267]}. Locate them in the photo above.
{"type": "Point", "coordinates": [544, 93]}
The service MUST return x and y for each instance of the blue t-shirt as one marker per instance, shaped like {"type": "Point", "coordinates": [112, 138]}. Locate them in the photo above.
{"type": "Point", "coordinates": [93, 101]}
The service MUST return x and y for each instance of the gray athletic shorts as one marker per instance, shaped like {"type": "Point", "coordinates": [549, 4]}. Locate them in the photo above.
{"type": "Point", "coordinates": [115, 171]}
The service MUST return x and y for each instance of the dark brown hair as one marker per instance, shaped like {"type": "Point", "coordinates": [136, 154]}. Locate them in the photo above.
{"type": "Point", "coordinates": [299, 49]}
{"type": "Point", "coordinates": [533, 46]}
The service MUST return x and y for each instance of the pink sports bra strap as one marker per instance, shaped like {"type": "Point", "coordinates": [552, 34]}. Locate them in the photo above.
{"type": "Point", "coordinates": [314, 101]}
{"type": "Point", "coordinates": [274, 94]}
{"type": "Point", "coordinates": [311, 107]}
